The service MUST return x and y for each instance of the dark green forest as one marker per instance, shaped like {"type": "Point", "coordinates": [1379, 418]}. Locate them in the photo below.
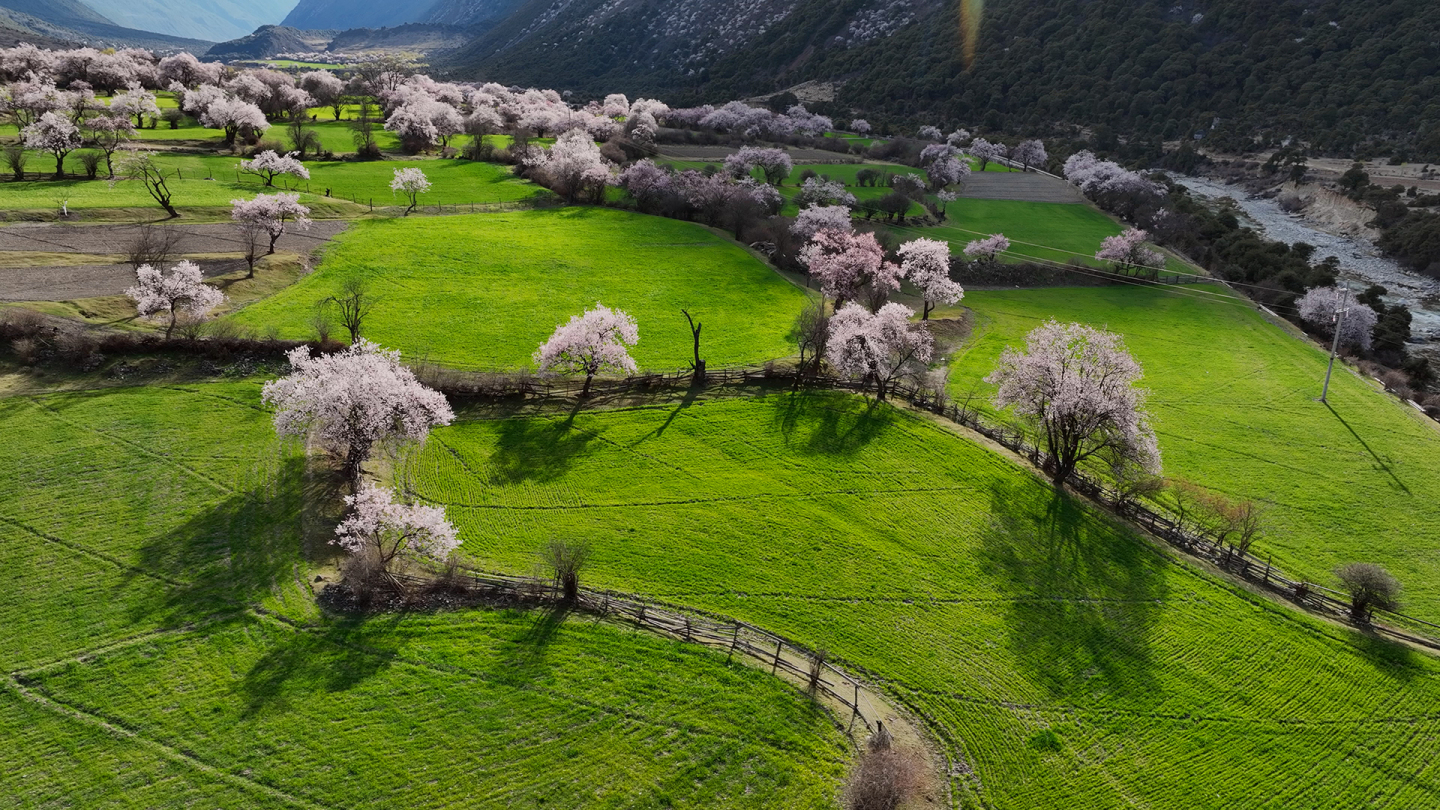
{"type": "Point", "coordinates": [1349, 77]}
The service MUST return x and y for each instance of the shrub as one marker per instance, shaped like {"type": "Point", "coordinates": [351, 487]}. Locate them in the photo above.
{"type": "Point", "coordinates": [1370, 586]}
{"type": "Point", "coordinates": [565, 559]}
{"type": "Point", "coordinates": [884, 778]}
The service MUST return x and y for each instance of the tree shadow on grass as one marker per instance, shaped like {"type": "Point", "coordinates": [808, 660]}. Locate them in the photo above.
{"type": "Point", "coordinates": [1082, 598]}
{"type": "Point", "coordinates": [523, 657]}
{"type": "Point", "coordinates": [334, 657]}
{"type": "Point", "coordinates": [229, 556]}
{"type": "Point", "coordinates": [538, 450]}
{"type": "Point", "coordinates": [829, 424]}
{"type": "Point", "coordinates": [1388, 656]}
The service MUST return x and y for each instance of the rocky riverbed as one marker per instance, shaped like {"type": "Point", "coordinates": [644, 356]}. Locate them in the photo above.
{"type": "Point", "coordinates": [1361, 263]}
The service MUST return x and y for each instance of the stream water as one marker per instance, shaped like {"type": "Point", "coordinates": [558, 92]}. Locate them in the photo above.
{"type": "Point", "coordinates": [1361, 263]}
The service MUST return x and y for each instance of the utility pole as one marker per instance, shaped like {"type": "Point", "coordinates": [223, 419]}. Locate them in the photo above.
{"type": "Point", "coordinates": [1335, 344]}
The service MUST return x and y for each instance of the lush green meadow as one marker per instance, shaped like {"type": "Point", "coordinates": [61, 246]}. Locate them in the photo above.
{"type": "Point", "coordinates": [1234, 402]}
{"type": "Point", "coordinates": [198, 181]}
{"type": "Point", "coordinates": [1067, 661]}
{"type": "Point", "coordinates": [1052, 232]}
{"type": "Point", "coordinates": [483, 292]}
{"type": "Point", "coordinates": [145, 531]}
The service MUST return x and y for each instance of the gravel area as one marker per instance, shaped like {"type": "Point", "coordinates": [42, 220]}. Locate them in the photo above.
{"type": "Point", "coordinates": [66, 283]}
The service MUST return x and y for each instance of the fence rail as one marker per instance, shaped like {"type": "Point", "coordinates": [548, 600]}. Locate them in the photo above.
{"type": "Point", "coordinates": [782, 656]}
{"type": "Point", "coordinates": [1191, 540]}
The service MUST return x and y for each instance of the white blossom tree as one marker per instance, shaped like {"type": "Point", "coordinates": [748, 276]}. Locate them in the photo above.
{"type": "Point", "coordinates": [987, 249]}
{"type": "Point", "coordinates": [326, 88]}
{"type": "Point", "coordinates": [860, 127]}
{"type": "Point", "coordinates": [590, 343]}
{"type": "Point", "coordinates": [879, 347]}
{"type": "Point", "coordinates": [1324, 307]}
{"type": "Point", "coordinates": [926, 262]}
{"type": "Point", "coordinates": [1128, 251]}
{"type": "Point", "coordinates": [1030, 153]}
{"type": "Point", "coordinates": [574, 166]}
{"type": "Point", "coordinates": [135, 103]}
{"type": "Point", "coordinates": [273, 212]}
{"type": "Point", "coordinates": [412, 183]}
{"type": "Point", "coordinates": [818, 191]}
{"type": "Point", "coordinates": [385, 530]}
{"type": "Point", "coordinates": [55, 134]}
{"type": "Point", "coordinates": [110, 133]}
{"type": "Point", "coordinates": [353, 402]}
{"type": "Point", "coordinates": [182, 291]}
{"type": "Point", "coordinates": [1077, 387]}
{"type": "Point", "coordinates": [232, 115]}
{"type": "Point", "coordinates": [818, 218]}
{"type": "Point", "coordinates": [850, 265]}
{"type": "Point", "coordinates": [269, 165]}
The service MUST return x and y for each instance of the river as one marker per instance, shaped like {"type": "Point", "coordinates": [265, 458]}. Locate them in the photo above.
{"type": "Point", "coordinates": [1361, 263]}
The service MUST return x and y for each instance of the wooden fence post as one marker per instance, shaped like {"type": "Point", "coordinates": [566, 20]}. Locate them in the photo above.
{"type": "Point", "coordinates": [775, 666]}
{"type": "Point", "coordinates": [734, 639]}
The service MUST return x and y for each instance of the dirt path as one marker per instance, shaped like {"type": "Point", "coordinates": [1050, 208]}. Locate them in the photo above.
{"type": "Point", "coordinates": [102, 276]}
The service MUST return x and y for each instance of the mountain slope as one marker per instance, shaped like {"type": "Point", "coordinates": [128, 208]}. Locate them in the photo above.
{"type": "Point", "coordinates": [345, 14]}
{"type": "Point", "coordinates": [200, 19]}
{"type": "Point", "coordinates": [1338, 73]}
{"type": "Point", "coordinates": [76, 22]}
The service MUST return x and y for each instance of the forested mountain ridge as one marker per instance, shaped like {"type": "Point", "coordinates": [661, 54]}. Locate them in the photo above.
{"type": "Point", "coordinates": [347, 14]}
{"type": "Point", "coordinates": [1337, 74]}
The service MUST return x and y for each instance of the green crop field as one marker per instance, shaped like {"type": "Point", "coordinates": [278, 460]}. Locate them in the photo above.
{"type": "Point", "coordinates": [213, 181]}
{"type": "Point", "coordinates": [156, 562]}
{"type": "Point", "coordinates": [1055, 232]}
{"type": "Point", "coordinates": [1233, 401]}
{"type": "Point", "coordinates": [1063, 659]}
{"type": "Point", "coordinates": [484, 291]}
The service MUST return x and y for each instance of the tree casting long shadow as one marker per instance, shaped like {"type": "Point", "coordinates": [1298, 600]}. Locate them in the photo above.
{"type": "Point", "coordinates": [1083, 598]}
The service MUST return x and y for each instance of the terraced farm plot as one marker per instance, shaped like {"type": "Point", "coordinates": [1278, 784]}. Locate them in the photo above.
{"type": "Point", "coordinates": [1051, 232]}
{"type": "Point", "coordinates": [1066, 661]}
{"type": "Point", "coordinates": [140, 526]}
{"type": "Point", "coordinates": [1233, 401]}
{"type": "Point", "coordinates": [484, 291]}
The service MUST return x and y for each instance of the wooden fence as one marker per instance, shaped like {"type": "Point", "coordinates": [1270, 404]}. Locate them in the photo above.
{"type": "Point", "coordinates": [810, 669]}
{"type": "Point", "coordinates": [1192, 540]}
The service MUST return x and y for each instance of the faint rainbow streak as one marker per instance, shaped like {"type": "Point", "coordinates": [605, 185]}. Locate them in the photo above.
{"type": "Point", "coordinates": [970, 13]}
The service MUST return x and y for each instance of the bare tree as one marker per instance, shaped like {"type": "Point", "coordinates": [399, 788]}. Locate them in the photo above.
{"type": "Point", "coordinates": [565, 559]}
{"type": "Point", "coordinates": [254, 238]}
{"type": "Point", "coordinates": [140, 166]}
{"type": "Point", "coordinates": [353, 303]}
{"type": "Point", "coordinates": [698, 365]}
{"type": "Point", "coordinates": [363, 129]}
{"type": "Point", "coordinates": [155, 245]}
{"type": "Point", "coordinates": [1370, 586]}
{"type": "Point", "coordinates": [884, 777]}
{"type": "Point", "coordinates": [812, 333]}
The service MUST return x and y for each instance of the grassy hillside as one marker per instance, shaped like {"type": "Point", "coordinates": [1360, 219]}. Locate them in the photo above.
{"type": "Point", "coordinates": [138, 526]}
{"type": "Point", "coordinates": [483, 292]}
{"type": "Point", "coordinates": [1233, 401]}
{"type": "Point", "coordinates": [1069, 663]}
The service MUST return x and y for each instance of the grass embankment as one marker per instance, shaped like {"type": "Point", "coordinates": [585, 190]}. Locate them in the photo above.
{"type": "Point", "coordinates": [1234, 403]}
{"type": "Point", "coordinates": [483, 292]}
{"type": "Point", "coordinates": [211, 182]}
{"type": "Point", "coordinates": [137, 510]}
{"type": "Point", "coordinates": [1069, 662]}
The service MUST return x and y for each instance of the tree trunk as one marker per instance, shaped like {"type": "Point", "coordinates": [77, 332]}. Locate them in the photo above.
{"type": "Point", "coordinates": [585, 392]}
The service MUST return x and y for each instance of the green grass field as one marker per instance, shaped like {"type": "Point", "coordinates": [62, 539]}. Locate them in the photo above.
{"type": "Point", "coordinates": [1233, 401]}
{"type": "Point", "coordinates": [483, 292]}
{"type": "Point", "coordinates": [1054, 232]}
{"type": "Point", "coordinates": [213, 181]}
{"type": "Point", "coordinates": [1066, 661]}
{"type": "Point", "coordinates": [140, 524]}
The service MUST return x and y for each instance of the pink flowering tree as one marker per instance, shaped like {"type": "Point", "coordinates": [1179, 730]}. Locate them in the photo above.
{"type": "Point", "coordinates": [232, 115]}
{"type": "Point", "coordinates": [1030, 153]}
{"type": "Point", "coordinates": [988, 249]}
{"type": "Point", "coordinates": [353, 403]}
{"type": "Point", "coordinates": [109, 133]}
{"type": "Point", "coordinates": [947, 171]}
{"type": "Point", "coordinates": [878, 347]}
{"type": "Point", "coordinates": [926, 262]}
{"type": "Point", "coordinates": [1128, 251]}
{"type": "Point", "coordinates": [574, 167]}
{"type": "Point", "coordinates": [819, 218]}
{"type": "Point", "coordinates": [985, 151]}
{"type": "Point", "coordinates": [818, 191]}
{"type": "Point", "coordinates": [849, 266]}
{"type": "Point", "coordinates": [379, 527]}
{"type": "Point", "coordinates": [1323, 307]}
{"type": "Point", "coordinates": [860, 127]}
{"type": "Point", "coordinates": [273, 212]}
{"type": "Point", "coordinates": [929, 133]}
{"type": "Point", "coordinates": [326, 89]}
{"type": "Point", "coordinates": [589, 344]}
{"type": "Point", "coordinates": [269, 165]}
{"type": "Point", "coordinates": [55, 134]}
{"type": "Point", "coordinates": [775, 164]}
{"type": "Point", "coordinates": [1076, 386]}
{"type": "Point", "coordinates": [412, 183]}
{"type": "Point", "coordinates": [182, 291]}
{"type": "Point", "coordinates": [135, 103]}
